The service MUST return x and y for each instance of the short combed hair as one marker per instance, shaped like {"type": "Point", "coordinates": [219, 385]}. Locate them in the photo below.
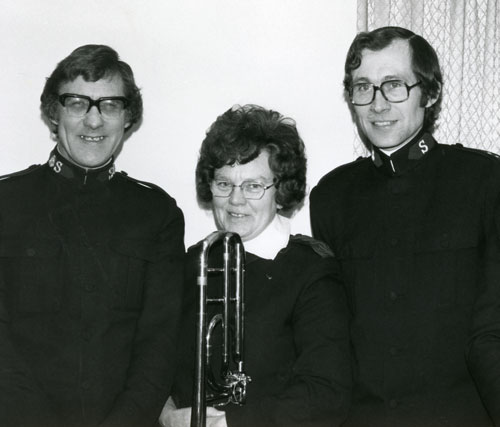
{"type": "Point", "coordinates": [239, 135]}
{"type": "Point", "coordinates": [92, 62]}
{"type": "Point", "coordinates": [425, 64]}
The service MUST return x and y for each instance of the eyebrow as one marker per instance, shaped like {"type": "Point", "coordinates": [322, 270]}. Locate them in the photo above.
{"type": "Point", "coordinates": [259, 178]}
{"type": "Point", "coordinates": [79, 95]}
{"type": "Point", "coordinates": [384, 79]}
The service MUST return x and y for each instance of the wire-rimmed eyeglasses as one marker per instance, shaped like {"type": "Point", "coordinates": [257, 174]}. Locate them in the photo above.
{"type": "Point", "coordinates": [251, 190]}
{"type": "Point", "coordinates": [392, 90]}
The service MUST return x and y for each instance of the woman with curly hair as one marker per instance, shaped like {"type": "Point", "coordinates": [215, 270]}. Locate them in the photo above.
{"type": "Point", "coordinates": [252, 174]}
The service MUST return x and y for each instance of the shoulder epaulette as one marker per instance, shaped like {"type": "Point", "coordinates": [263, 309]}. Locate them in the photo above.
{"type": "Point", "coordinates": [145, 184]}
{"type": "Point", "coordinates": [343, 168]}
{"type": "Point", "coordinates": [476, 151]}
{"type": "Point", "coordinates": [321, 248]}
{"type": "Point", "coordinates": [20, 173]}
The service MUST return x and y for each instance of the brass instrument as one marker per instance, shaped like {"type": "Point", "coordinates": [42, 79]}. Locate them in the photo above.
{"type": "Point", "coordinates": [230, 387]}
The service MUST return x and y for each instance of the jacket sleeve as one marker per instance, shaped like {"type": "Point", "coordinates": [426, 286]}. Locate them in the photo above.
{"type": "Point", "coordinates": [483, 353]}
{"type": "Point", "coordinates": [317, 391]}
{"type": "Point", "coordinates": [151, 369]}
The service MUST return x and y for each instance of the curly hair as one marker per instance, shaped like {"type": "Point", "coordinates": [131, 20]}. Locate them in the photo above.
{"type": "Point", "coordinates": [239, 136]}
{"type": "Point", "coordinates": [92, 62]}
{"type": "Point", "coordinates": [425, 64]}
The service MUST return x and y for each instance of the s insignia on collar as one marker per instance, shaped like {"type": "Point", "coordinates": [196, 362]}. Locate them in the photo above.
{"type": "Point", "coordinates": [423, 146]}
{"type": "Point", "coordinates": [55, 164]}
{"type": "Point", "coordinates": [111, 172]}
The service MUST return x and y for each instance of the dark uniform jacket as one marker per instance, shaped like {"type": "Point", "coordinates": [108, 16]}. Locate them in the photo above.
{"type": "Point", "coordinates": [296, 339]}
{"type": "Point", "coordinates": [91, 269]}
{"type": "Point", "coordinates": [412, 233]}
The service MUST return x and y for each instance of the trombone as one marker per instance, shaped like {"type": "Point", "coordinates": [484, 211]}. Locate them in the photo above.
{"type": "Point", "coordinates": [231, 385]}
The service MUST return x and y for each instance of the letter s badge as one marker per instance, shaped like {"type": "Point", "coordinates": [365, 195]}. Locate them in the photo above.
{"type": "Point", "coordinates": [423, 147]}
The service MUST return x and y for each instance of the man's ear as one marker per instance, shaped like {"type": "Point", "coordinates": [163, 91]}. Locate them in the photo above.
{"type": "Point", "coordinates": [128, 124]}
{"type": "Point", "coordinates": [431, 101]}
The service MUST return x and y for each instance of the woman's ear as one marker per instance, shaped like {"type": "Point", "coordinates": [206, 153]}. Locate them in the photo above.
{"type": "Point", "coordinates": [53, 131]}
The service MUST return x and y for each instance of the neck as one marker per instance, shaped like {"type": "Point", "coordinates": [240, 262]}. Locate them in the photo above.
{"type": "Point", "coordinates": [63, 167]}
{"type": "Point", "coordinates": [86, 168]}
{"type": "Point", "coordinates": [390, 150]}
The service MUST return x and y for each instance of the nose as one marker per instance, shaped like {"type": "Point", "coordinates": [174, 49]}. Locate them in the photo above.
{"type": "Point", "coordinates": [379, 103]}
{"type": "Point", "coordinates": [236, 197]}
{"type": "Point", "coordinates": [93, 118]}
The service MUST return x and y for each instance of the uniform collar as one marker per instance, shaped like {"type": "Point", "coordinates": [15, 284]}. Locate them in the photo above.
{"type": "Point", "coordinates": [274, 238]}
{"type": "Point", "coordinates": [64, 168]}
{"type": "Point", "coordinates": [406, 157]}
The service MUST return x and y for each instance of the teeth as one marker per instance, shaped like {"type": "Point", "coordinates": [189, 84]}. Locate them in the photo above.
{"type": "Point", "coordinates": [388, 123]}
{"type": "Point", "coordinates": [236, 215]}
{"type": "Point", "coordinates": [92, 138]}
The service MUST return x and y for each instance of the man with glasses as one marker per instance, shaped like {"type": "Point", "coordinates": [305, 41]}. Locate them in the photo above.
{"type": "Point", "coordinates": [90, 266]}
{"type": "Point", "coordinates": [413, 228]}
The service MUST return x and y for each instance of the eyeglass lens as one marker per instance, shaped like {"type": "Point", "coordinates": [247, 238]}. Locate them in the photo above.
{"type": "Point", "coordinates": [251, 190]}
{"type": "Point", "coordinates": [392, 90]}
{"type": "Point", "coordinates": [79, 106]}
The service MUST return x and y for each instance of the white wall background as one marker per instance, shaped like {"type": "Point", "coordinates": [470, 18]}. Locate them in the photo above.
{"type": "Point", "coordinates": [193, 61]}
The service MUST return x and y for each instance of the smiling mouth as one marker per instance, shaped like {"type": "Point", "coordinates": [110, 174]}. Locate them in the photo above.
{"type": "Point", "coordinates": [384, 123]}
{"type": "Point", "coordinates": [236, 215]}
{"type": "Point", "coordinates": [91, 138]}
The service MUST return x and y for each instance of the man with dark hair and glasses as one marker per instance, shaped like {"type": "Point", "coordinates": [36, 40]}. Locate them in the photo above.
{"type": "Point", "coordinates": [91, 264]}
{"type": "Point", "coordinates": [413, 227]}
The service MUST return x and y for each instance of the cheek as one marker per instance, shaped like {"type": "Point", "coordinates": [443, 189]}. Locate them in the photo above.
{"type": "Point", "coordinates": [119, 128]}
{"type": "Point", "coordinates": [361, 117]}
{"type": "Point", "coordinates": [218, 209]}
{"type": "Point", "coordinates": [265, 211]}
{"type": "Point", "coordinates": [67, 125]}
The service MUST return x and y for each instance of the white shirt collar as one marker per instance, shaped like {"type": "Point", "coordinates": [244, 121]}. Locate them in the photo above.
{"type": "Point", "coordinates": [274, 238]}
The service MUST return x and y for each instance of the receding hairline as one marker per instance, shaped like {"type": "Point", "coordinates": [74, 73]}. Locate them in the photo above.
{"type": "Point", "coordinates": [397, 41]}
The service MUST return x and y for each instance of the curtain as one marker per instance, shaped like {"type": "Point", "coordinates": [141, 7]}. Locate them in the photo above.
{"type": "Point", "coordinates": [466, 37]}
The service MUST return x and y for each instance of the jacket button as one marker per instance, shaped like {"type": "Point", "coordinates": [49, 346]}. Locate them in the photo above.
{"type": "Point", "coordinates": [394, 241]}
{"type": "Point", "coordinates": [393, 351]}
{"type": "Point", "coordinates": [85, 384]}
{"type": "Point", "coordinates": [89, 287]}
{"type": "Point", "coordinates": [393, 403]}
{"type": "Point", "coordinates": [393, 296]}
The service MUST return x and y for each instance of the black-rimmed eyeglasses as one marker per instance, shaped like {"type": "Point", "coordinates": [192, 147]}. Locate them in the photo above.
{"type": "Point", "coordinates": [251, 190]}
{"type": "Point", "coordinates": [392, 90]}
{"type": "Point", "coordinates": [110, 107]}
